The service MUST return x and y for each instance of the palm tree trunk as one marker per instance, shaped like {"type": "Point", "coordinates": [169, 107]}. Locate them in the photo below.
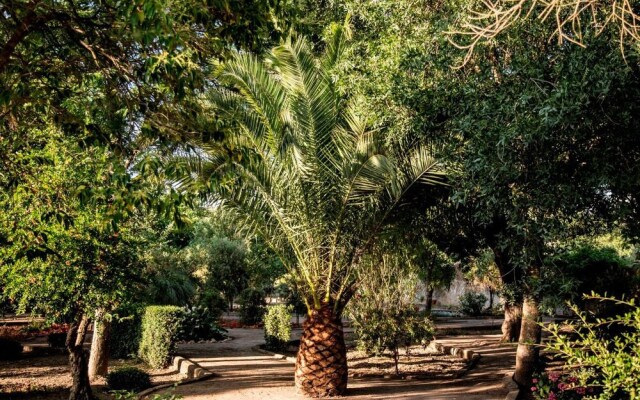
{"type": "Point", "coordinates": [528, 345]}
{"type": "Point", "coordinates": [321, 366]}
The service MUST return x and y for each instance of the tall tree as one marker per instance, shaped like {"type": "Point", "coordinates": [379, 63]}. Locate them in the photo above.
{"type": "Point", "coordinates": [305, 173]}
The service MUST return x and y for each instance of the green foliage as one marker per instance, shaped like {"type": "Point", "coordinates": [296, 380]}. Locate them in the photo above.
{"type": "Point", "coordinates": [198, 323]}
{"type": "Point", "coordinates": [129, 379]}
{"type": "Point", "coordinates": [381, 330]}
{"type": "Point", "coordinates": [125, 335]}
{"type": "Point", "coordinates": [128, 395]}
{"type": "Point", "coordinates": [252, 306]}
{"type": "Point", "coordinates": [557, 386]}
{"type": "Point", "coordinates": [585, 268]}
{"type": "Point", "coordinates": [160, 326]}
{"type": "Point", "coordinates": [472, 303]}
{"type": "Point", "coordinates": [11, 349]}
{"type": "Point", "coordinates": [168, 280]}
{"type": "Point", "coordinates": [300, 167]}
{"type": "Point", "coordinates": [382, 312]}
{"type": "Point", "coordinates": [277, 327]}
{"type": "Point", "coordinates": [610, 365]}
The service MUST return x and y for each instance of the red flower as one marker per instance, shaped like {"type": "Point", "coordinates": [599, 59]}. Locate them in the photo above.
{"type": "Point", "coordinates": [533, 388]}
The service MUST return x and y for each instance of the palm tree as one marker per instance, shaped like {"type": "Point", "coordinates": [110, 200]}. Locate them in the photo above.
{"type": "Point", "coordinates": [303, 171]}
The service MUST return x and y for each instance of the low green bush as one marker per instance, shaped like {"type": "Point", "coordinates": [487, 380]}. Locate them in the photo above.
{"type": "Point", "coordinates": [391, 329]}
{"type": "Point", "coordinates": [252, 306]}
{"type": "Point", "coordinates": [198, 324]}
{"type": "Point", "coordinates": [126, 333]}
{"type": "Point", "coordinates": [597, 363]}
{"type": "Point", "coordinates": [472, 303]}
{"type": "Point", "coordinates": [128, 378]}
{"type": "Point", "coordinates": [277, 327]}
{"type": "Point", "coordinates": [9, 349]}
{"type": "Point", "coordinates": [160, 325]}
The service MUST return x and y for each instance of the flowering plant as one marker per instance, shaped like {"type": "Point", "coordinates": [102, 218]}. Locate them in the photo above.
{"type": "Point", "coordinates": [556, 386]}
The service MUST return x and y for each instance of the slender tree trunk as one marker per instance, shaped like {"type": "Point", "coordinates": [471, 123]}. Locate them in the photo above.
{"type": "Point", "coordinates": [321, 366]}
{"type": "Point", "coordinates": [429, 303]}
{"type": "Point", "coordinates": [490, 299]}
{"type": "Point", "coordinates": [99, 357]}
{"type": "Point", "coordinates": [81, 387]}
{"type": "Point", "coordinates": [528, 345]}
{"type": "Point", "coordinates": [512, 322]}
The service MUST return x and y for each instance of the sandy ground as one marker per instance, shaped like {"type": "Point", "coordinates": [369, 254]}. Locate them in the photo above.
{"type": "Point", "coordinates": [242, 373]}
{"type": "Point", "coordinates": [47, 371]}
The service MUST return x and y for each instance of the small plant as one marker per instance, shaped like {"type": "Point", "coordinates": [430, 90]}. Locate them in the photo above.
{"type": "Point", "coordinates": [472, 303]}
{"type": "Point", "coordinates": [128, 395]}
{"type": "Point", "coordinates": [277, 327]}
{"type": "Point", "coordinates": [198, 324]}
{"type": "Point", "coordinates": [57, 340]}
{"type": "Point", "coordinates": [252, 306]}
{"type": "Point", "coordinates": [392, 329]}
{"type": "Point", "coordinates": [128, 379]}
{"type": "Point", "coordinates": [555, 386]}
{"type": "Point", "coordinates": [11, 349]}
{"type": "Point", "coordinates": [595, 358]}
{"type": "Point", "coordinates": [160, 325]}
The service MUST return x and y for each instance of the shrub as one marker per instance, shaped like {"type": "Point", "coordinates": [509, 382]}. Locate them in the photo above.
{"type": "Point", "coordinates": [126, 333]}
{"type": "Point", "coordinates": [380, 329]}
{"type": "Point", "coordinates": [595, 360]}
{"type": "Point", "coordinates": [557, 386]}
{"type": "Point", "coordinates": [57, 340]}
{"type": "Point", "coordinates": [160, 326]}
{"type": "Point", "coordinates": [11, 349]}
{"type": "Point", "coordinates": [252, 306]}
{"type": "Point", "coordinates": [128, 378]}
{"type": "Point", "coordinates": [277, 327]}
{"type": "Point", "coordinates": [198, 323]}
{"type": "Point", "coordinates": [472, 303]}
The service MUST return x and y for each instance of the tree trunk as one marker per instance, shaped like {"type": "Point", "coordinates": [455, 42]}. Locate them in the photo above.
{"type": "Point", "coordinates": [429, 303]}
{"type": "Point", "coordinates": [490, 299]}
{"type": "Point", "coordinates": [99, 357]}
{"type": "Point", "coordinates": [80, 388]}
{"type": "Point", "coordinates": [511, 323]}
{"type": "Point", "coordinates": [528, 345]}
{"type": "Point", "coordinates": [321, 366]}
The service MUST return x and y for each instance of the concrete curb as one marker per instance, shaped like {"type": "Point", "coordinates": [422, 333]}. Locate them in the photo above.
{"type": "Point", "coordinates": [465, 354]}
{"type": "Point", "coordinates": [512, 386]}
{"type": "Point", "coordinates": [191, 370]}
{"type": "Point", "coordinates": [275, 355]}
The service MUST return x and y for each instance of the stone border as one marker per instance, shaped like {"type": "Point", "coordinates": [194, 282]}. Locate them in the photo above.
{"type": "Point", "coordinates": [467, 355]}
{"type": "Point", "coordinates": [512, 386]}
{"type": "Point", "coordinates": [192, 371]}
{"type": "Point", "coordinates": [275, 355]}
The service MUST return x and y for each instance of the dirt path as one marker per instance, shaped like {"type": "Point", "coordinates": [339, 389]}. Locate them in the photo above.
{"type": "Point", "coordinates": [243, 373]}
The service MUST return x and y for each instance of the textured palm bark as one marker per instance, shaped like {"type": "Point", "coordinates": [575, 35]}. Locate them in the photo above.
{"type": "Point", "coordinates": [528, 345]}
{"type": "Point", "coordinates": [512, 322]}
{"type": "Point", "coordinates": [321, 366]}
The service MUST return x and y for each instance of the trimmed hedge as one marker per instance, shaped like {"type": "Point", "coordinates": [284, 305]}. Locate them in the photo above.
{"type": "Point", "coordinates": [160, 325]}
{"type": "Point", "coordinates": [277, 327]}
{"type": "Point", "coordinates": [128, 378]}
{"type": "Point", "coordinates": [126, 333]}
